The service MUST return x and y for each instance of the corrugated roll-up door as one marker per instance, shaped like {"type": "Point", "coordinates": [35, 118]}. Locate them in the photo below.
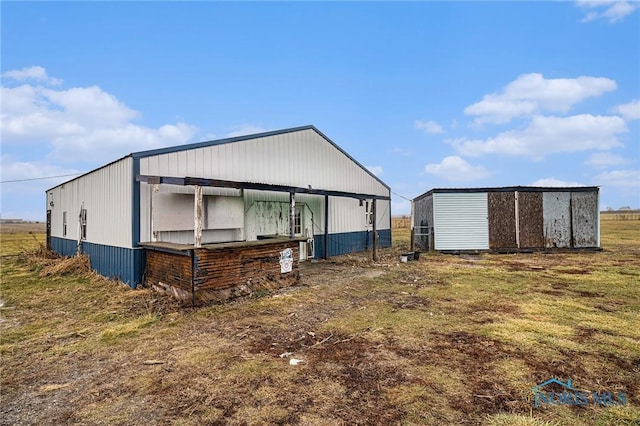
{"type": "Point", "coordinates": [461, 221]}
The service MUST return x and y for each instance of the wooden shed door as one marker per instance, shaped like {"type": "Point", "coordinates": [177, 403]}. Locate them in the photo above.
{"type": "Point", "coordinates": [530, 219]}
{"type": "Point", "coordinates": [502, 220]}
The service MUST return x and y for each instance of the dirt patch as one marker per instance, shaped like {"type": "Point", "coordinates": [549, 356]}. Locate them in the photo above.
{"type": "Point", "coordinates": [522, 266]}
{"type": "Point", "coordinates": [586, 293]}
{"type": "Point", "coordinates": [474, 357]}
{"type": "Point", "coordinates": [364, 371]}
{"type": "Point", "coordinates": [409, 301]}
{"type": "Point", "coordinates": [584, 334]}
{"type": "Point", "coordinates": [610, 306]}
{"type": "Point", "coordinates": [551, 292]}
{"type": "Point", "coordinates": [577, 271]}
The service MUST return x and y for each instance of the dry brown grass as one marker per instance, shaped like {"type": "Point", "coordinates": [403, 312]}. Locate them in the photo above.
{"type": "Point", "coordinates": [53, 266]}
{"type": "Point", "coordinates": [620, 215]}
{"type": "Point", "coordinates": [400, 222]}
{"type": "Point", "coordinates": [445, 340]}
{"type": "Point", "coordinates": [23, 228]}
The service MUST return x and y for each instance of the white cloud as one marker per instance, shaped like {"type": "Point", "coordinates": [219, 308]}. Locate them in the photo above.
{"type": "Point", "coordinates": [611, 10]}
{"type": "Point", "coordinates": [604, 159]}
{"type": "Point", "coordinates": [376, 170]}
{"type": "Point", "coordinates": [120, 141]}
{"type": "Point", "coordinates": [430, 127]}
{"type": "Point", "coordinates": [80, 123]}
{"type": "Point", "coordinates": [400, 206]}
{"type": "Point", "coordinates": [623, 178]}
{"type": "Point", "coordinates": [402, 152]}
{"type": "Point", "coordinates": [553, 182]}
{"type": "Point", "coordinates": [532, 94]}
{"type": "Point", "coordinates": [549, 135]}
{"type": "Point", "coordinates": [20, 198]}
{"type": "Point", "coordinates": [36, 73]}
{"type": "Point", "coordinates": [245, 129]}
{"type": "Point", "coordinates": [13, 169]}
{"type": "Point", "coordinates": [454, 168]}
{"type": "Point", "coordinates": [630, 111]}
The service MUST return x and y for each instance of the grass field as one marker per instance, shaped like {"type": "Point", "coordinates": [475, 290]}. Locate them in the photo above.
{"type": "Point", "coordinates": [444, 340]}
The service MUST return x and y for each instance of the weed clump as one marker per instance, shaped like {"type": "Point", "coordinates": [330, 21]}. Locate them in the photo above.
{"type": "Point", "coordinates": [67, 265]}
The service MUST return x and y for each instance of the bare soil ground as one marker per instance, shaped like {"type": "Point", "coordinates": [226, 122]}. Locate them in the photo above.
{"type": "Point", "coordinates": [443, 340]}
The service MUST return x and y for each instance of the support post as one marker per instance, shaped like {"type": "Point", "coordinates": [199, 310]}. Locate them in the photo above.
{"type": "Point", "coordinates": [412, 225]}
{"type": "Point", "coordinates": [79, 245]}
{"type": "Point", "coordinates": [154, 233]}
{"type": "Point", "coordinates": [374, 221]}
{"type": "Point", "coordinates": [197, 217]}
{"type": "Point", "coordinates": [326, 227]}
{"type": "Point", "coordinates": [292, 214]}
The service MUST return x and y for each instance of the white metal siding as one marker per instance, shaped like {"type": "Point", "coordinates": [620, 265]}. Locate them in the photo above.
{"type": "Point", "coordinates": [146, 192]}
{"type": "Point", "coordinates": [106, 194]}
{"type": "Point", "coordinates": [300, 158]}
{"type": "Point", "coordinates": [461, 221]}
{"type": "Point", "coordinates": [268, 213]}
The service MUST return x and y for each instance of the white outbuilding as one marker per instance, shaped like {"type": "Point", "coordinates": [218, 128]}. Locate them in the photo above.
{"type": "Point", "coordinates": [294, 183]}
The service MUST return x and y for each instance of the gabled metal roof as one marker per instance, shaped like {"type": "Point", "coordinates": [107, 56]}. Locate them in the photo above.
{"type": "Point", "coordinates": [186, 147]}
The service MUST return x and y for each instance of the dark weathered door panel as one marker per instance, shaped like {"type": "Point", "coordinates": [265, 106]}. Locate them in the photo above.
{"type": "Point", "coordinates": [530, 219]}
{"type": "Point", "coordinates": [502, 220]}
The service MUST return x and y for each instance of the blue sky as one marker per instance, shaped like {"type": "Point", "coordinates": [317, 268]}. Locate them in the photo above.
{"type": "Point", "coordinates": [425, 94]}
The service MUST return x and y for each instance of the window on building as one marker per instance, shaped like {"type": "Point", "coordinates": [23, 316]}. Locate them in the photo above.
{"type": "Point", "coordinates": [83, 224]}
{"type": "Point", "coordinates": [297, 222]}
{"type": "Point", "coordinates": [368, 214]}
{"type": "Point", "coordinates": [64, 224]}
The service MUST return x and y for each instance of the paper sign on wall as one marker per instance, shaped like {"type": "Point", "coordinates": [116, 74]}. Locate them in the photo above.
{"type": "Point", "coordinates": [286, 260]}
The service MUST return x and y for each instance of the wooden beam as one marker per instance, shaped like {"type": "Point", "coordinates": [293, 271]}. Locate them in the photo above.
{"type": "Point", "coordinates": [170, 180]}
{"type": "Point", "coordinates": [292, 214]}
{"type": "Point", "coordinates": [197, 217]}
{"type": "Point", "coordinates": [154, 233]}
